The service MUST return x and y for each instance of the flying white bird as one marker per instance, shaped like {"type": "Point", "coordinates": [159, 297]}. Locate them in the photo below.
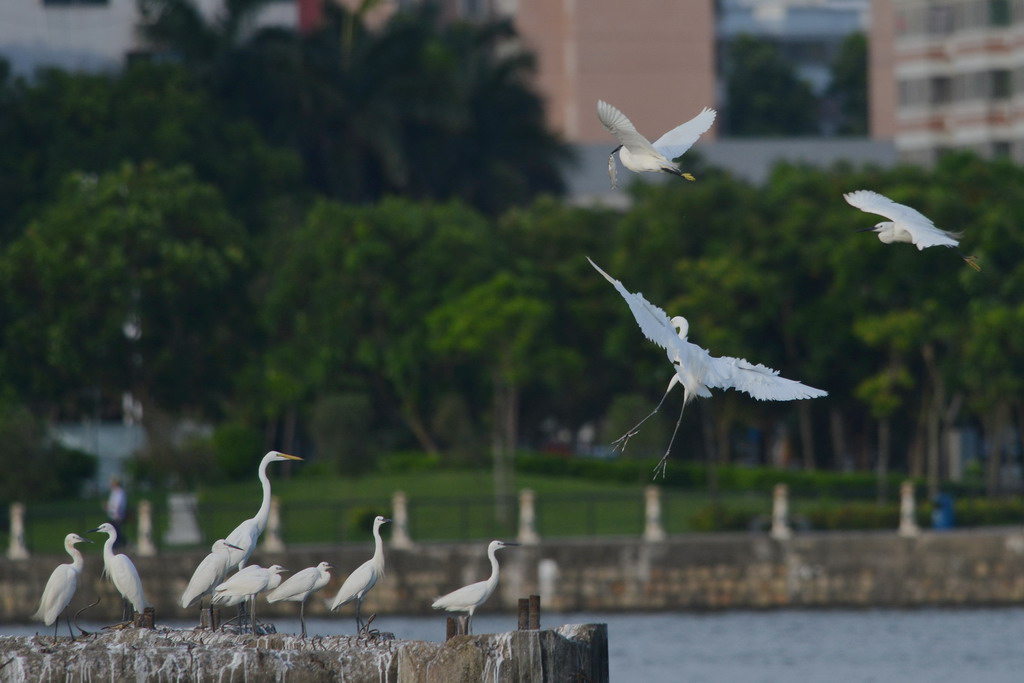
{"type": "Point", "coordinates": [246, 585]}
{"type": "Point", "coordinates": [246, 534]}
{"type": "Point", "coordinates": [696, 369]}
{"type": "Point", "coordinates": [300, 586]}
{"type": "Point", "coordinates": [468, 598]}
{"type": "Point", "coordinates": [905, 224]}
{"type": "Point", "coordinates": [61, 586]}
{"type": "Point", "coordinates": [365, 577]}
{"type": "Point", "coordinates": [638, 154]}
{"type": "Point", "coordinates": [210, 572]}
{"type": "Point", "coordinates": [121, 572]}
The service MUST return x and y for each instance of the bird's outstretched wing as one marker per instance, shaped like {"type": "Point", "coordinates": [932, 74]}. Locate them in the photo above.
{"type": "Point", "coordinates": [759, 381]}
{"type": "Point", "coordinates": [619, 126]}
{"type": "Point", "coordinates": [675, 142]}
{"type": "Point", "coordinates": [653, 321]}
{"type": "Point", "coordinates": [921, 228]}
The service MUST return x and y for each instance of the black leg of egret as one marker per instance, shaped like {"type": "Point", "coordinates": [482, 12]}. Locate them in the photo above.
{"type": "Point", "coordinates": [302, 617]}
{"type": "Point", "coordinates": [624, 439]}
{"type": "Point", "coordinates": [359, 623]}
{"type": "Point", "coordinates": [67, 617]}
{"type": "Point", "coordinates": [663, 463]}
{"type": "Point", "coordinates": [127, 610]}
{"type": "Point", "coordinates": [252, 610]}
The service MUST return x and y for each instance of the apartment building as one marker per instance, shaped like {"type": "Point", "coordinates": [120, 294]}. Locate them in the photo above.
{"type": "Point", "coordinates": [948, 74]}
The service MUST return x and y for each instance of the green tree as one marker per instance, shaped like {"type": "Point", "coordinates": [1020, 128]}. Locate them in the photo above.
{"type": "Point", "coordinates": [763, 94]}
{"type": "Point", "coordinates": [848, 88]}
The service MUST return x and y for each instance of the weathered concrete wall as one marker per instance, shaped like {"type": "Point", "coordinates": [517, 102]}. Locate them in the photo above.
{"type": "Point", "coordinates": [705, 571]}
{"type": "Point", "coordinates": [569, 653]}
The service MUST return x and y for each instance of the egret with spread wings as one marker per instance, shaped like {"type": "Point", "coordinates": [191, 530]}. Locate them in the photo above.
{"type": "Point", "coordinates": [905, 224]}
{"type": "Point", "coordinates": [696, 369]}
{"type": "Point", "coordinates": [638, 154]}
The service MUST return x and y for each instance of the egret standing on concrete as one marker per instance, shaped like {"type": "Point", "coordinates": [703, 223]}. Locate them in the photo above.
{"type": "Point", "coordinates": [365, 577]}
{"type": "Point", "coordinates": [246, 585]}
{"type": "Point", "coordinates": [468, 598]}
{"type": "Point", "coordinates": [122, 573]}
{"type": "Point", "coordinates": [638, 154]}
{"type": "Point", "coordinates": [61, 586]}
{"type": "Point", "coordinates": [905, 224]}
{"type": "Point", "coordinates": [300, 586]}
{"type": "Point", "coordinates": [248, 532]}
{"type": "Point", "coordinates": [696, 369]}
{"type": "Point", "coordinates": [210, 572]}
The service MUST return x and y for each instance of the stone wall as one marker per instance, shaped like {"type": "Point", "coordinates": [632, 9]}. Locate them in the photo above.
{"type": "Point", "coordinates": [700, 572]}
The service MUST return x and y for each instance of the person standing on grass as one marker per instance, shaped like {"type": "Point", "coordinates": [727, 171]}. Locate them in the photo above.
{"type": "Point", "coordinates": [117, 507]}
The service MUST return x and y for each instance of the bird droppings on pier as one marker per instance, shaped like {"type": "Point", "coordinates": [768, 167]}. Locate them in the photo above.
{"type": "Point", "coordinates": [566, 653]}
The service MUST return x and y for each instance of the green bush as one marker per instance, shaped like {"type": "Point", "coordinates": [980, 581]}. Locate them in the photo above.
{"type": "Point", "coordinates": [235, 448]}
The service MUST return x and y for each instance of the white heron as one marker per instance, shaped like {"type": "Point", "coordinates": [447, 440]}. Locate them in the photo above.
{"type": "Point", "coordinates": [122, 572]}
{"type": "Point", "coordinates": [365, 577]}
{"type": "Point", "coordinates": [468, 598]}
{"type": "Point", "coordinates": [638, 154]}
{"type": "Point", "coordinates": [905, 224]}
{"type": "Point", "coordinates": [210, 572]}
{"type": "Point", "coordinates": [696, 369]}
{"type": "Point", "coordinates": [61, 586]}
{"type": "Point", "coordinates": [245, 585]}
{"type": "Point", "coordinates": [246, 534]}
{"type": "Point", "coordinates": [300, 586]}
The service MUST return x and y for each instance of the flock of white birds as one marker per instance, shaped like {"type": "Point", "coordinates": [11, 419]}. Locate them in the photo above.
{"type": "Point", "coordinates": [694, 368]}
{"type": "Point", "coordinates": [242, 588]}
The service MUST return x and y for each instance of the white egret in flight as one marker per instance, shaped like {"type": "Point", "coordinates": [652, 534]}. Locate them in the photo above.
{"type": "Point", "coordinates": [365, 577]}
{"type": "Point", "coordinates": [61, 586]}
{"type": "Point", "coordinates": [246, 534]}
{"type": "Point", "coordinates": [905, 224]}
{"type": "Point", "coordinates": [696, 369]}
{"type": "Point", "coordinates": [468, 598]}
{"type": "Point", "coordinates": [245, 585]}
{"type": "Point", "coordinates": [210, 572]}
{"type": "Point", "coordinates": [300, 586]}
{"type": "Point", "coordinates": [122, 572]}
{"type": "Point", "coordinates": [638, 154]}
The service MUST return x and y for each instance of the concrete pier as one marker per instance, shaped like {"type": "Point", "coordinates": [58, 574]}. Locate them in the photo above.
{"type": "Point", "coordinates": [568, 653]}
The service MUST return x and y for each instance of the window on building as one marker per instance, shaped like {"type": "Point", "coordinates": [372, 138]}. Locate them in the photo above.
{"type": "Point", "coordinates": [999, 12]}
{"type": "Point", "coordinates": [1001, 84]}
{"type": "Point", "coordinates": [1002, 149]}
{"type": "Point", "coordinates": [941, 88]}
{"type": "Point", "coordinates": [940, 20]}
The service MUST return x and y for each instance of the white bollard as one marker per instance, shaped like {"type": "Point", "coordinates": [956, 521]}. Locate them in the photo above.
{"type": "Point", "coordinates": [272, 542]}
{"type": "Point", "coordinates": [908, 521]}
{"type": "Point", "coordinates": [400, 521]}
{"type": "Point", "coordinates": [653, 530]}
{"type": "Point", "coordinates": [17, 550]}
{"type": "Point", "coordinates": [780, 513]}
{"type": "Point", "coordinates": [145, 547]}
{"type": "Point", "coordinates": [527, 519]}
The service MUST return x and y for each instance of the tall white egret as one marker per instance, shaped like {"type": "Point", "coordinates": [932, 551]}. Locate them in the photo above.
{"type": "Point", "coordinates": [246, 534]}
{"type": "Point", "coordinates": [696, 369]}
{"type": "Point", "coordinates": [245, 585]}
{"type": "Point", "coordinates": [61, 586]}
{"type": "Point", "coordinates": [300, 586]}
{"type": "Point", "coordinates": [122, 572]}
{"type": "Point", "coordinates": [468, 598]}
{"type": "Point", "coordinates": [210, 572]}
{"type": "Point", "coordinates": [638, 154]}
{"type": "Point", "coordinates": [905, 224]}
{"type": "Point", "coordinates": [365, 577]}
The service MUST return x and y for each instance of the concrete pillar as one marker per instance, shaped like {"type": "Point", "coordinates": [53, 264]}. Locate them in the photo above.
{"type": "Point", "coordinates": [272, 542]}
{"type": "Point", "coordinates": [17, 549]}
{"type": "Point", "coordinates": [780, 513]}
{"type": "Point", "coordinates": [145, 547]}
{"type": "Point", "coordinates": [527, 519]}
{"type": "Point", "coordinates": [653, 530]}
{"type": "Point", "coordinates": [908, 522]}
{"type": "Point", "coordinates": [400, 521]}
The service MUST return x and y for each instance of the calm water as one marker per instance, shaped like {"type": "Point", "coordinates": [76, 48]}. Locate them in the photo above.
{"type": "Point", "coordinates": [929, 645]}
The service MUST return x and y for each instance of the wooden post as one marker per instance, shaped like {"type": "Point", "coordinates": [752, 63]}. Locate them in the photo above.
{"type": "Point", "coordinates": [527, 519]}
{"type": "Point", "coordinates": [272, 542]}
{"type": "Point", "coordinates": [17, 550]}
{"type": "Point", "coordinates": [780, 513]}
{"type": "Point", "coordinates": [147, 619]}
{"type": "Point", "coordinates": [908, 520]}
{"type": "Point", "coordinates": [145, 547]}
{"type": "Point", "coordinates": [453, 628]}
{"type": "Point", "coordinates": [524, 614]}
{"type": "Point", "coordinates": [400, 521]}
{"type": "Point", "coordinates": [534, 602]}
{"type": "Point", "coordinates": [206, 618]}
